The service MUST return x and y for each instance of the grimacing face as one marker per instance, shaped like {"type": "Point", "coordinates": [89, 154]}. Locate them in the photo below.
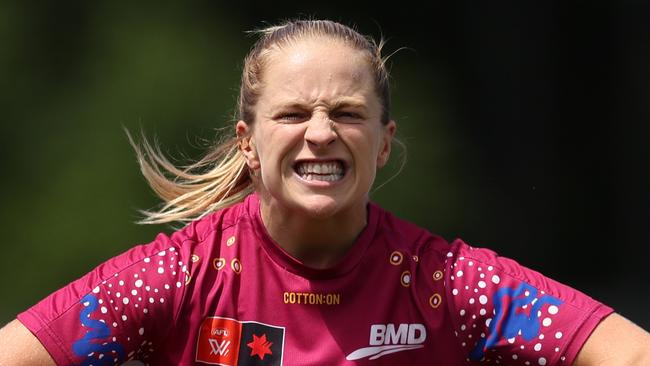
{"type": "Point", "coordinates": [317, 140]}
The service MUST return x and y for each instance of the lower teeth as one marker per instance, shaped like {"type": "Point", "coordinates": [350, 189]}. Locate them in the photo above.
{"type": "Point", "coordinates": [326, 178]}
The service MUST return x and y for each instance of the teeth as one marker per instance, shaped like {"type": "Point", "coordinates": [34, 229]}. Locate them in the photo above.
{"type": "Point", "coordinates": [320, 168]}
{"type": "Point", "coordinates": [321, 177]}
{"type": "Point", "coordinates": [328, 172]}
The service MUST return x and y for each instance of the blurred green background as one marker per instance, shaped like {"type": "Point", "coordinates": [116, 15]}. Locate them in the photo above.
{"type": "Point", "coordinates": [526, 126]}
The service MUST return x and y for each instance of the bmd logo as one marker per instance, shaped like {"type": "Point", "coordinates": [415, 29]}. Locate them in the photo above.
{"type": "Point", "coordinates": [404, 334]}
{"type": "Point", "coordinates": [391, 338]}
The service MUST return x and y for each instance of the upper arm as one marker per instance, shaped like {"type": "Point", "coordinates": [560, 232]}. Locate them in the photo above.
{"type": "Point", "coordinates": [20, 347]}
{"type": "Point", "coordinates": [615, 341]}
{"type": "Point", "coordinates": [502, 310]}
{"type": "Point", "coordinates": [118, 310]}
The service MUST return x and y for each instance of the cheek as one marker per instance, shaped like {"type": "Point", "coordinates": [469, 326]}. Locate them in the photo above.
{"type": "Point", "coordinates": [368, 144]}
{"type": "Point", "coordinates": [276, 147]}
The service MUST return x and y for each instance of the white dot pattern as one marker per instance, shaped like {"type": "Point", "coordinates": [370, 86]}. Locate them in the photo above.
{"type": "Point", "coordinates": [473, 288]}
{"type": "Point", "coordinates": [134, 303]}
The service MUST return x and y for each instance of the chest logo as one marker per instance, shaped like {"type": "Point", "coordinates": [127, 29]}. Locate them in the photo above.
{"type": "Point", "coordinates": [230, 342]}
{"type": "Point", "coordinates": [391, 338]}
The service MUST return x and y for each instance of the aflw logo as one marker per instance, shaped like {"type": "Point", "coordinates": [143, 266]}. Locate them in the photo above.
{"type": "Point", "coordinates": [220, 349]}
{"type": "Point", "coordinates": [389, 338]}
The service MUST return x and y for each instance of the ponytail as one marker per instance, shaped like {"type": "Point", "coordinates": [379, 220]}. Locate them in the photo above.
{"type": "Point", "coordinates": [220, 179]}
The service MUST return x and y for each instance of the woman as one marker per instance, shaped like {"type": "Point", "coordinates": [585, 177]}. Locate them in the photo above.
{"type": "Point", "coordinates": [285, 261]}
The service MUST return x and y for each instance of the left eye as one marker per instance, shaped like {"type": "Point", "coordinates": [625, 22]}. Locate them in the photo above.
{"type": "Point", "coordinates": [346, 115]}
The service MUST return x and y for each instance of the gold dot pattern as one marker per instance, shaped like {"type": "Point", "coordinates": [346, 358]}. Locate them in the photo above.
{"type": "Point", "coordinates": [406, 278]}
{"type": "Point", "coordinates": [437, 275]}
{"type": "Point", "coordinates": [396, 258]}
{"type": "Point", "coordinates": [435, 300]}
{"type": "Point", "coordinates": [235, 264]}
{"type": "Point", "coordinates": [188, 277]}
{"type": "Point", "coordinates": [218, 263]}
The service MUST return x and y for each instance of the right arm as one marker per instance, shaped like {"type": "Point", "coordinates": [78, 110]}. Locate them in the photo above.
{"type": "Point", "coordinates": [114, 311]}
{"type": "Point", "coordinates": [19, 347]}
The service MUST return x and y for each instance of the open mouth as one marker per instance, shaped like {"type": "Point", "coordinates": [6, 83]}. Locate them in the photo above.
{"type": "Point", "coordinates": [323, 171]}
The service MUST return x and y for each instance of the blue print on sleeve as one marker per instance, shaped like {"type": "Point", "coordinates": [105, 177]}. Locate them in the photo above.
{"type": "Point", "coordinates": [507, 323]}
{"type": "Point", "coordinates": [93, 342]}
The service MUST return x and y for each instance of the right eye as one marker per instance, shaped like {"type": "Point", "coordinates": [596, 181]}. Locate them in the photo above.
{"type": "Point", "coordinates": [292, 117]}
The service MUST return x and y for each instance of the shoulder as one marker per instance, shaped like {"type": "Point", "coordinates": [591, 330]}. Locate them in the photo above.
{"type": "Point", "coordinates": [405, 236]}
{"type": "Point", "coordinates": [179, 246]}
{"type": "Point", "coordinates": [500, 308]}
{"type": "Point", "coordinates": [131, 298]}
{"type": "Point", "coordinates": [203, 229]}
{"type": "Point", "coordinates": [203, 236]}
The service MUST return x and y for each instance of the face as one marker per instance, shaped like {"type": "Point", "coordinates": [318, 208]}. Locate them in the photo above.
{"type": "Point", "coordinates": [317, 140]}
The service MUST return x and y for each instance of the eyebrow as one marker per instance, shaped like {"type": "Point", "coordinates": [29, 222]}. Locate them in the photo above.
{"type": "Point", "coordinates": [349, 103]}
{"type": "Point", "coordinates": [336, 105]}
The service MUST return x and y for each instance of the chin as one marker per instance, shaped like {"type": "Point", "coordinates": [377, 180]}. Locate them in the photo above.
{"type": "Point", "coordinates": [320, 207]}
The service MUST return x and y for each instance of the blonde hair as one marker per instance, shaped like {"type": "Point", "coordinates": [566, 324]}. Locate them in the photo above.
{"type": "Point", "coordinates": [221, 178]}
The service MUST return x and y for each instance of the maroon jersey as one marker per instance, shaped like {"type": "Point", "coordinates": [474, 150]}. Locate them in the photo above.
{"type": "Point", "coordinates": [220, 291]}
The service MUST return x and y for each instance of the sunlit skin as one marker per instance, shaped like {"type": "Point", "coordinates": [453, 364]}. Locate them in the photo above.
{"type": "Point", "coordinates": [318, 104]}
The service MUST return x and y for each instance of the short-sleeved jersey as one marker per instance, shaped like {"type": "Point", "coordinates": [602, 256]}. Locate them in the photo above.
{"type": "Point", "coordinates": [220, 291]}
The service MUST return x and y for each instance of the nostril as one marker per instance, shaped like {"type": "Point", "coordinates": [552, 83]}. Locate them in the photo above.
{"type": "Point", "coordinates": [321, 138]}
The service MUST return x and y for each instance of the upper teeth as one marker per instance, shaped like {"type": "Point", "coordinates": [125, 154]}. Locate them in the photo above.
{"type": "Point", "coordinates": [320, 168]}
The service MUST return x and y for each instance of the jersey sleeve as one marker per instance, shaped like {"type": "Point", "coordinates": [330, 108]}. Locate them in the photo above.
{"type": "Point", "coordinates": [505, 313]}
{"type": "Point", "coordinates": [121, 310]}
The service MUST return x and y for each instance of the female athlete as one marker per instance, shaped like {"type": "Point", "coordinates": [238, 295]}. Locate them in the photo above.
{"type": "Point", "coordinates": [285, 261]}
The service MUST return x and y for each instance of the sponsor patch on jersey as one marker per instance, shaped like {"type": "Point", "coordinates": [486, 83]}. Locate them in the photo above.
{"type": "Point", "coordinates": [391, 338]}
{"type": "Point", "coordinates": [230, 342]}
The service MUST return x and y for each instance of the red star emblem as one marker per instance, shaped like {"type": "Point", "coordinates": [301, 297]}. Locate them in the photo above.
{"type": "Point", "coordinates": [260, 346]}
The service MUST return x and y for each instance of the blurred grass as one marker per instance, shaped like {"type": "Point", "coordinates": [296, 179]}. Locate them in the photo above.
{"type": "Point", "coordinates": [72, 187]}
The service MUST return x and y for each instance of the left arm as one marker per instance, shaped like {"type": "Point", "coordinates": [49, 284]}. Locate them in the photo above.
{"type": "Point", "coordinates": [615, 341]}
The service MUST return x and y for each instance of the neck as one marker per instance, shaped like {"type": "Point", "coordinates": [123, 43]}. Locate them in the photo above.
{"type": "Point", "coordinates": [318, 243]}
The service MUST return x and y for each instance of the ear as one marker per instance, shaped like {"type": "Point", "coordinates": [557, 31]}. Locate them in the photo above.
{"type": "Point", "coordinates": [387, 137]}
{"type": "Point", "coordinates": [246, 146]}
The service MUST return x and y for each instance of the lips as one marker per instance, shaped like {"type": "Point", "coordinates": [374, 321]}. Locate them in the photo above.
{"type": "Point", "coordinates": [328, 171]}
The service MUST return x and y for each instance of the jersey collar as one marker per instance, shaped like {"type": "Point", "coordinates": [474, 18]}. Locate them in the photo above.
{"type": "Point", "coordinates": [283, 259]}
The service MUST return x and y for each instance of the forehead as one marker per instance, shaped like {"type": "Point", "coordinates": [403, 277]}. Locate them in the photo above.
{"type": "Point", "coordinates": [317, 70]}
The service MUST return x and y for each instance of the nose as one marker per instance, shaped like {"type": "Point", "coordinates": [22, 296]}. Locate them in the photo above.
{"type": "Point", "coordinates": [320, 132]}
